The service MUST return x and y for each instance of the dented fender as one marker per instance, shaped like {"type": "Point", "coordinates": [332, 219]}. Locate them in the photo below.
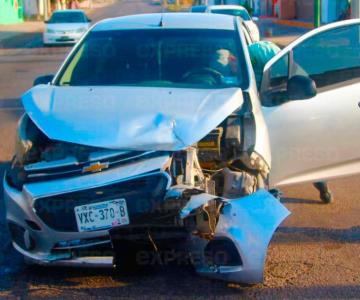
{"type": "Point", "coordinates": [249, 223]}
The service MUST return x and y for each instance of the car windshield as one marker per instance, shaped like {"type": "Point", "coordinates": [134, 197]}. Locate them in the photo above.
{"type": "Point", "coordinates": [158, 57]}
{"type": "Point", "coordinates": [67, 17]}
{"type": "Point", "coordinates": [242, 13]}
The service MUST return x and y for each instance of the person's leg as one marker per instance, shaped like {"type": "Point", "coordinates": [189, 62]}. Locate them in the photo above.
{"type": "Point", "coordinates": [325, 193]}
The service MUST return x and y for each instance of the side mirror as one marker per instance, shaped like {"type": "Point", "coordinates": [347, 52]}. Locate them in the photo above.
{"type": "Point", "coordinates": [89, 20]}
{"type": "Point", "coordinates": [301, 88]}
{"type": "Point", "coordinates": [45, 79]}
{"type": "Point", "coordinates": [46, 21]}
{"type": "Point", "coordinates": [255, 19]}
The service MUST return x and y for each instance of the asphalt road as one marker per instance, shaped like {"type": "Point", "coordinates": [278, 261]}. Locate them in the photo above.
{"type": "Point", "coordinates": [314, 254]}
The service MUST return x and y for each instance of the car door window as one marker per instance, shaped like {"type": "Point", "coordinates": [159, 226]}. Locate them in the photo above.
{"type": "Point", "coordinates": [276, 93]}
{"type": "Point", "coordinates": [330, 58]}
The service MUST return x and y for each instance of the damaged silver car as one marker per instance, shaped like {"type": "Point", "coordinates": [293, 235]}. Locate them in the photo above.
{"type": "Point", "coordinates": [150, 136]}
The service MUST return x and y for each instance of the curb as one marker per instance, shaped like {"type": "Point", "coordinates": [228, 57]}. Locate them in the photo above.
{"type": "Point", "coordinates": [282, 42]}
{"type": "Point", "coordinates": [294, 23]}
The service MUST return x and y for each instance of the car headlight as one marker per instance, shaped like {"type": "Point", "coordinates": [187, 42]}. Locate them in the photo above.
{"type": "Point", "coordinates": [16, 175]}
{"type": "Point", "coordinates": [23, 144]}
{"type": "Point", "coordinates": [81, 30]}
{"type": "Point", "coordinates": [50, 30]}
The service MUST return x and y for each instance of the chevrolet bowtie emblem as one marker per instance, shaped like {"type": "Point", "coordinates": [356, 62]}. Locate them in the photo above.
{"type": "Point", "coordinates": [95, 167]}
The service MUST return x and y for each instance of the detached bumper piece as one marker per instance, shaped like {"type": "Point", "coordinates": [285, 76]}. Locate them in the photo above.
{"type": "Point", "coordinates": [224, 239]}
{"type": "Point", "coordinates": [237, 251]}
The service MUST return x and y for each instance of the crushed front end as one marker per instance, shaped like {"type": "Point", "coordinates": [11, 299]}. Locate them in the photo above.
{"type": "Point", "coordinates": [69, 204]}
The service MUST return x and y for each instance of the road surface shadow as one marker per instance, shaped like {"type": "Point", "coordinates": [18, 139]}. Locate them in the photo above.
{"type": "Point", "coordinates": [14, 103]}
{"type": "Point", "coordinates": [109, 283]}
{"type": "Point", "coordinates": [170, 283]}
{"type": "Point", "coordinates": [21, 40]}
{"type": "Point", "coordinates": [301, 201]}
{"type": "Point", "coordinates": [318, 235]}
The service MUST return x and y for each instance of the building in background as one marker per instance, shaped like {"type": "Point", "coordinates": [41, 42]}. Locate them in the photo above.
{"type": "Point", "coordinates": [303, 10]}
{"type": "Point", "coordinates": [334, 10]}
{"type": "Point", "coordinates": [42, 9]}
{"type": "Point", "coordinates": [11, 11]}
{"type": "Point", "coordinates": [31, 9]}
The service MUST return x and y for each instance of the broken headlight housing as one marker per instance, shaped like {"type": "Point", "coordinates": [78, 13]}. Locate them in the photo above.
{"type": "Point", "coordinates": [25, 151]}
{"type": "Point", "coordinates": [22, 143]}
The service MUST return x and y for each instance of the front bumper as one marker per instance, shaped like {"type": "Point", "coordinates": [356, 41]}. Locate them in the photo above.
{"type": "Point", "coordinates": [61, 261]}
{"type": "Point", "coordinates": [243, 231]}
{"type": "Point", "coordinates": [57, 38]}
{"type": "Point", "coordinates": [41, 241]}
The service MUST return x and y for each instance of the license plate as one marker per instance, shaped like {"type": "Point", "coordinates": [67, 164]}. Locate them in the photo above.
{"type": "Point", "coordinates": [101, 215]}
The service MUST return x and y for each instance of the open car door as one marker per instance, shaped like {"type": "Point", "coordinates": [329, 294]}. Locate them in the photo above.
{"type": "Point", "coordinates": [310, 95]}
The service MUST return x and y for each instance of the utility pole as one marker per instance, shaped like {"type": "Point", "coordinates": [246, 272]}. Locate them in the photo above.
{"type": "Point", "coordinates": [317, 10]}
{"type": "Point", "coordinates": [46, 10]}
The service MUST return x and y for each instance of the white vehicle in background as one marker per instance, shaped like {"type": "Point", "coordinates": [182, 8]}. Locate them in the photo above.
{"type": "Point", "coordinates": [239, 11]}
{"type": "Point", "coordinates": [198, 9]}
{"type": "Point", "coordinates": [65, 27]}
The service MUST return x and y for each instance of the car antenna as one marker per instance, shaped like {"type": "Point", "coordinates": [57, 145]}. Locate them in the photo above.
{"type": "Point", "coordinates": [161, 23]}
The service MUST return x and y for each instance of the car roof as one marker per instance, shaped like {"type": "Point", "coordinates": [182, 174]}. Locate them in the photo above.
{"type": "Point", "coordinates": [227, 7]}
{"type": "Point", "coordinates": [59, 11]}
{"type": "Point", "coordinates": [199, 6]}
{"type": "Point", "coordinates": [168, 21]}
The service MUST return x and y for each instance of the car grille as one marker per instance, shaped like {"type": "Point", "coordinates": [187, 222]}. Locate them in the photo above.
{"type": "Point", "coordinates": [77, 169]}
{"type": "Point", "coordinates": [143, 196]}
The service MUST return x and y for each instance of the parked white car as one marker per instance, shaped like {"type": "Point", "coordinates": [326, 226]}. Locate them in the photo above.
{"type": "Point", "coordinates": [238, 11]}
{"type": "Point", "coordinates": [65, 27]}
{"type": "Point", "coordinates": [152, 135]}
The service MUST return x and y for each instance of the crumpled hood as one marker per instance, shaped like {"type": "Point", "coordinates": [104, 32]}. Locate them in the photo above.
{"type": "Point", "coordinates": [131, 118]}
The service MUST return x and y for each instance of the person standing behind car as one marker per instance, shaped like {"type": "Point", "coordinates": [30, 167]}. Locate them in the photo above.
{"type": "Point", "coordinates": [260, 53]}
